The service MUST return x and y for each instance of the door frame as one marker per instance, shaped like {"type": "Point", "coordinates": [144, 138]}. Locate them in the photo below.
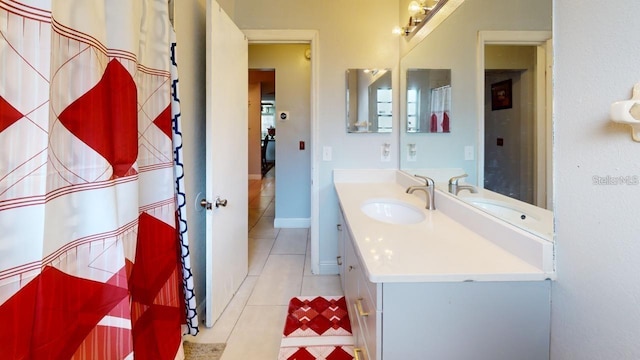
{"type": "Point", "coordinates": [543, 146]}
{"type": "Point", "coordinates": [263, 36]}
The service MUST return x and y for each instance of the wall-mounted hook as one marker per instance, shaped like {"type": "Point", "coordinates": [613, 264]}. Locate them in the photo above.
{"type": "Point", "coordinates": [628, 112]}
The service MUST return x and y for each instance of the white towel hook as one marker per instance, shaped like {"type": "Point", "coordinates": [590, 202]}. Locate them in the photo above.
{"type": "Point", "coordinates": [628, 112]}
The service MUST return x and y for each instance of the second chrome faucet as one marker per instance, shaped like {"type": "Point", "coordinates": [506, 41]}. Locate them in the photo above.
{"type": "Point", "coordinates": [428, 189]}
{"type": "Point", "coordinates": [454, 188]}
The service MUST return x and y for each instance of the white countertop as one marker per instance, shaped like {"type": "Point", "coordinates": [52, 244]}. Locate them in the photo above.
{"type": "Point", "coordinates": [437, 249]}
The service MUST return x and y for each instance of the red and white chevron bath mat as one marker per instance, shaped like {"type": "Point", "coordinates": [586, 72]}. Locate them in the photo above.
{"type": "Point", "coordinates": [317, 328]}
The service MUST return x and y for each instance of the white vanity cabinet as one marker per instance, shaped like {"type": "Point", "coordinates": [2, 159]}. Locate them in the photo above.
{"type": "Point", "coordinates": [444, 320]}
{"type": "Point", "coordinates": [362, 300]}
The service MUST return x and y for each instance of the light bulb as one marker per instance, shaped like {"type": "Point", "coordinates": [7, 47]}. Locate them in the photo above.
{"type": "Point", "coordinates": [415, 8]}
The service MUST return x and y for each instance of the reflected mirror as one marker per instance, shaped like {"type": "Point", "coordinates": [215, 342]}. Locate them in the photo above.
{"type": "Point", "coordinates": [428, 103]}
{"type": "Point", "coordinates": [501, 129]}
{"type": "Point", "coordinates": [369, 101]}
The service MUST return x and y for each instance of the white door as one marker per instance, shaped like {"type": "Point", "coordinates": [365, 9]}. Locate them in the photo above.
{"type": "Point", "coordinates": [226, 160]}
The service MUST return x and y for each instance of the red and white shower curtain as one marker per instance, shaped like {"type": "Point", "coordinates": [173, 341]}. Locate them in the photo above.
{"type": "Point", "coordinates": [440, 109]}
{"type": "Point", "coordinates": [91, 225]}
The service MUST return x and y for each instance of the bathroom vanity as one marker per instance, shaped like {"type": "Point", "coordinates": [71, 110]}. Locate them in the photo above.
{"type": "Point", "coordinates": [450, 283]}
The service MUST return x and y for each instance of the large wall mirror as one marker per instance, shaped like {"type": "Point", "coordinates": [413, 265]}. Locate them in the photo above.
{"type": "Point", "coordinates": [369, 101]}
{"type": "Point", "coordinates": [500, 115]}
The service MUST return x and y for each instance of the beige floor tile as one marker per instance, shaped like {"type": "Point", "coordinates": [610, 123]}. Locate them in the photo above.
{"type": "Point", "coordinates": [291, 242]}
{"type": "Point", "coordinates": [270, 210]}
{"type": "Point", "coordinates": [259, 250]}
{"type": "Point", "coordinates": [223, 327]}
{"type": "Point", "coordinates": [264, 229]}
{"type": "Point", "coordinates": [281, 279]}
{"type": "Point", "coordinates": [257, 335]}
{"type": "Point", "coordinates": [321, 285]}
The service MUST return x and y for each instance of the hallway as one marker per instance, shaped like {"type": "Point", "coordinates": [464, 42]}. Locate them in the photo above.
{"type": "Point", "coordinates": [279, 269]}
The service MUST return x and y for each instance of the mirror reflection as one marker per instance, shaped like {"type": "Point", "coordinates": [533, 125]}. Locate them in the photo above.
{"type": "Point", "coordinates": [501, 130]}
{"type": "Point", "coordinates": [428, 100]}
{"type": "Point", "coordinates": [511, 107]}
{"type": "Point", "coordinates": [369, 101]}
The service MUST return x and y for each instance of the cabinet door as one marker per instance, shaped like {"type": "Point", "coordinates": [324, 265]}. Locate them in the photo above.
{"type": "Point", "coordinates": [351, 275]}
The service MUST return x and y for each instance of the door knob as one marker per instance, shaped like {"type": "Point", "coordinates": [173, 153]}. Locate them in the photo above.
{"type": "Point", "coordinates": [221, 202]}
{"type": "Point", "coordinates": [205, 204]}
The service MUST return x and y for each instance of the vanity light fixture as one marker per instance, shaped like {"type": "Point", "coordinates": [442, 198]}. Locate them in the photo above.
{"type": "Point", "coordinates": [419, 14]}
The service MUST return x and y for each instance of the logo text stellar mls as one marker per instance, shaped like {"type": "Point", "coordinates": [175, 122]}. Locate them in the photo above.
{"type": "Point", "coordinates": [616, 180]}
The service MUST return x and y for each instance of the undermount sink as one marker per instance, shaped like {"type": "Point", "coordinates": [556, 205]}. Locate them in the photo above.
{"type": "Point", "coordinates": [392, 211]}
{"type": "Point", "coordinates": [503, 210]}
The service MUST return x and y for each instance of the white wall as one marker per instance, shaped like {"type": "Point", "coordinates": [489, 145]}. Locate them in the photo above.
{"type": "Point", "coordinates": [596, 299]}
{"type": "Point", "coordinates": [352, 34]}
{"type": "Point", "coordinates": [189, 23]}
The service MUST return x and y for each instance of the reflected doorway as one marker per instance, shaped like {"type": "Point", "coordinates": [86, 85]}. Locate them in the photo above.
{"type": "Point", "coordinates": [516, 119]}
{"type": "Point", "coordinates": [509, 133]}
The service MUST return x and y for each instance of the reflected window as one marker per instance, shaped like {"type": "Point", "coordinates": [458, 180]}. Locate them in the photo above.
{"type": "Point", "coordinates": [268, 118]}
{"type": "Point", "coordinates": [412, 110]}
{"type": "Point", "coordinates": [384, 106]}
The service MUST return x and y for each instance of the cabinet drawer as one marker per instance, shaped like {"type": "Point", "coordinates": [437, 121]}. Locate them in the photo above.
{"type": "Point", "coordinates": [367, 321]}
{"type": "Point", "coordinates": [361, 348]}
{"type": "Point", "coordinates": [366, 311]}
{"type": "Point", "coordinates": [360, 353]}
{"type": "Point", "coordinates": [372, 289]}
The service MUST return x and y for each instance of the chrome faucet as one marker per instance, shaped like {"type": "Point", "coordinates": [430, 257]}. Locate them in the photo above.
{"type": "Point", "coordinates": [428, 189]}
{"type": "Point", "coordinates": [454, 188]}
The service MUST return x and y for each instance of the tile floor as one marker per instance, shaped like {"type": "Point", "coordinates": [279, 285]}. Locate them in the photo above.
{"type": "Point", "coordinates": [279, 269]}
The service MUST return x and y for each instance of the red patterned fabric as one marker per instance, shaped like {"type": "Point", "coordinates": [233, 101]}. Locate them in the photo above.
{"type": "Point", "coordinates": [317, 328]}
{"type": "Point", "coordinates": [90, 262]}
{"type": "Point", "coordinates": [320, 353]}
{"type": "Point", "coordinates": [317, 316]}
{"type": "Point", "coordinates": [67, 309]}
{"type": "Point", "coordinates": [106, 119]}
{"type": "Point", "coordinates": [8, 114]}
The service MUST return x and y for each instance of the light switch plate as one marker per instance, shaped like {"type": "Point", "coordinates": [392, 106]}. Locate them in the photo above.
{"type": "Point", "coordinates": [468, 153]}
{"type": "Point", "coordinates": [326, 153]}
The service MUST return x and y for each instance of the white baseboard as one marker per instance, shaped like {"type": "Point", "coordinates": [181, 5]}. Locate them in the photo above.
{"type": "Point", "coordinates": [328, 268]}
{"type": "Point", "coordinates": [255, 176]}
{"type": "Point", "coordinates": [292, 223]}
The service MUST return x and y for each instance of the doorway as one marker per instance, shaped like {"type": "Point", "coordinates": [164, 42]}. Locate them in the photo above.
{"type": "Point", "coordinates": [309, 37]}
{"type": "Point", "coordinates": [287, 100]}
{"type": "Point", "coordinates": [539, 130]}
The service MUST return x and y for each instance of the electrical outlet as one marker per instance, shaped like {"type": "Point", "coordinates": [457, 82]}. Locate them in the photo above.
{"type": "Point", "coordinates": [412, 152]}
{"type": "Point", "coordinates": [385, 152]}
